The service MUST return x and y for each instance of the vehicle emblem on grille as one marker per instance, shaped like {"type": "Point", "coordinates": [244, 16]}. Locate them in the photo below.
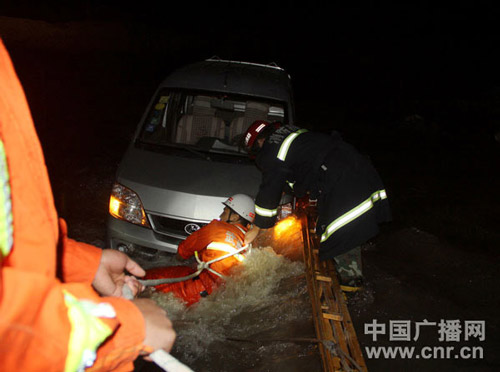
{"type": "Point", "coordinates": [191, 228]}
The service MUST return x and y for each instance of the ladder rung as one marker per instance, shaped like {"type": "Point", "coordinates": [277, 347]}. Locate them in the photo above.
{"type": "Point", "coordinates": [323, 278]}
{"type": "Point", "coordinates": [334, 316]}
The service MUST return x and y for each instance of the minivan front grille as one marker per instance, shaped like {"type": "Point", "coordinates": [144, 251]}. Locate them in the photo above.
{"type": "Point", "coordinates": [174, 227]}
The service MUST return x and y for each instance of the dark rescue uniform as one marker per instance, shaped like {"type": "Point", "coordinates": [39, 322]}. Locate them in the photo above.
{"type": "Point", "coordinates": [351, 197]}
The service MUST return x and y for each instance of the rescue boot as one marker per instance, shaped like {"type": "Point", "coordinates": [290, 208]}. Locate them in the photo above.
{"type": "Point", "coordinates": [349, 269]}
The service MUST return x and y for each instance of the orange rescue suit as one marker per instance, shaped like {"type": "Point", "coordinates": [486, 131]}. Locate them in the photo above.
{"type": "Point", "coordinates": [202, 241]}
{"type": "Point", "coordinates": [35, 328]}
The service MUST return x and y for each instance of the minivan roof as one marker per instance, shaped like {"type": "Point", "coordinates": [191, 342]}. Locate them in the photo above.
{"type": "Point", "coordinates": [266, 81]}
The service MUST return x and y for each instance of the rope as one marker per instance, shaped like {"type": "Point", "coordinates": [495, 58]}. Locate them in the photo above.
{"type": "Point", "coordinates": [154, 282]}
{"type": "Point", "coordinates": [202, 265]}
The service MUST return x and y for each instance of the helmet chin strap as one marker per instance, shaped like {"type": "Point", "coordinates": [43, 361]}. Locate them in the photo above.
{"type": "Point", "coordinates": [229, 216]}
{"type": "Point", "coordinates": [255, 149]}
{"type": "Point", "coordinates": [231, 213]}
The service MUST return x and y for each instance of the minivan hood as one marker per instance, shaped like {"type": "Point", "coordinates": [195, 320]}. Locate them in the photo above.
{"type": "Point", "coordinates": [185, 187]}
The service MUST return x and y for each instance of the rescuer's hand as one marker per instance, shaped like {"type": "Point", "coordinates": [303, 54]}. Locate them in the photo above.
{"type": "Point", "coordinates": [110, 276]}
{"type": "Point", "coordinates": [251, 234]}
{"type": "Point", "coordinates": [160, 333]}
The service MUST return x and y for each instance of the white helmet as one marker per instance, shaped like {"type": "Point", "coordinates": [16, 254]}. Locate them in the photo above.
{"type": "Point", "coordinates": [243, 205]}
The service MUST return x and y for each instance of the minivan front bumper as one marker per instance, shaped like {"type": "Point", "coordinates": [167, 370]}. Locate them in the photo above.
{"type": "Point", "coordinates": [128, 237]}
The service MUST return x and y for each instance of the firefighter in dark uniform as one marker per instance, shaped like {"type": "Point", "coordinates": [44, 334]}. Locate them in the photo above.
{"type": "Point", "coordinates": [352, 201]}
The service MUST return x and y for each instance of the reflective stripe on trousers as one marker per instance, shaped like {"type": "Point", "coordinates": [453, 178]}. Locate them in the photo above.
{"type": "Point", "coordinates": [87, 331]}
{"type": "Point", "coordinates": [6, 227]}
{"type": "Point", "coordinates": [353, 214]}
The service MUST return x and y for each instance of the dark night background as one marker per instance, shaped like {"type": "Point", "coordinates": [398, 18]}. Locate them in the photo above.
{"type": "Point", "coordinates": [414, 86]}
{"type": "Point", "coordinates": [362, 63]}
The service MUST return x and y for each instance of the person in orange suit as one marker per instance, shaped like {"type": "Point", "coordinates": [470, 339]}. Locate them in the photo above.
{"type": "Point", "coordinates": [76, 321]}
{"type": "Point", "coordinates": [210, 243]}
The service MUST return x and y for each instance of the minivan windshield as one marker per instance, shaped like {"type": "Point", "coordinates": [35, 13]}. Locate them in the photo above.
{"type": "Point", "coordinates": [205, 121]}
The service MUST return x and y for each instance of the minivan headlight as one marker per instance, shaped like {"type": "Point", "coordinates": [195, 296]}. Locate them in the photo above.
{"type": "Point", "coordinates": [125, 204]}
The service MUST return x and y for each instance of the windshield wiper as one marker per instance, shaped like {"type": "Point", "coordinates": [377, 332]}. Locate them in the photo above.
{"type": "Point", "coordinates": [200, 154]}
{"type": "Point", "coordinates": [164, 146]}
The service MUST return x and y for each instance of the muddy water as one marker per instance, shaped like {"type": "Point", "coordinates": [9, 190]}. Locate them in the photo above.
{"type": "Point", "coordinates": [253, 323]}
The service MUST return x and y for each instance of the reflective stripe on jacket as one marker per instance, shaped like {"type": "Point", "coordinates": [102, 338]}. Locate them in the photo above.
{"type": "Point", "coordinates": [354, 213]}
{"type": "Point", "coordinates": [226, 248]}
{"type": "Point", "coordinates": [87, 331]}
{"type": "Point", "coordinates": [5, 206]}
{"type": "Point", "coordinates": [215, 240]}
{"type": "Point", "coordinates": [276, 162]}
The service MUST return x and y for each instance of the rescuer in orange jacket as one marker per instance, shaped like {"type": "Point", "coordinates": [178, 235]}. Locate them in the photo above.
{"type": "Point", "coordinates": [210, 243]}
{"type": "Point", "coordinates": [49, 323]}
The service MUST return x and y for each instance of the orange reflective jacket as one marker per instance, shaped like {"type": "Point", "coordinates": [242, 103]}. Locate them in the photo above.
{"type": "Point", "coordinates": [47, 324]}
{"type": "Point", "coordinates": [212, 241]}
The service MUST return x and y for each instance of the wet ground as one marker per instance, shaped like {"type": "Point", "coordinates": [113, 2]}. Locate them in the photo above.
{"type": "Point", "coordinates": [437, 262]}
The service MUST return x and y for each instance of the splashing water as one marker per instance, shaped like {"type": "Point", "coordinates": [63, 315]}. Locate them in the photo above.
{"type": "Point", "coordinates": [248, 322]}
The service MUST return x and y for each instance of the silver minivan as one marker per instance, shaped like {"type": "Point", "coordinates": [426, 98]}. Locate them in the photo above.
{"type": "Point", "coordinates": [185, 158]}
